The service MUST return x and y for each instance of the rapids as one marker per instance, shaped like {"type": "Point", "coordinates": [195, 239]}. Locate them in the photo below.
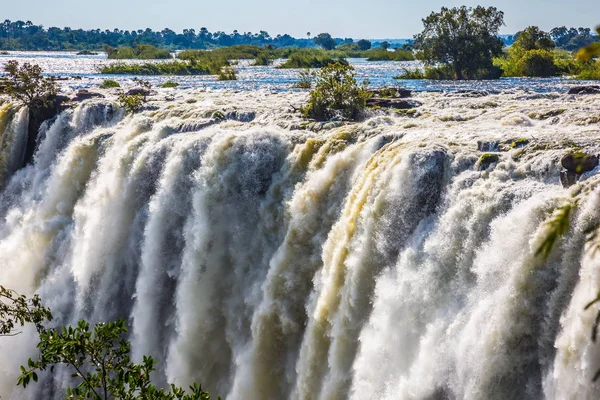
{"type": "Point", "coordinates": [270, 258]}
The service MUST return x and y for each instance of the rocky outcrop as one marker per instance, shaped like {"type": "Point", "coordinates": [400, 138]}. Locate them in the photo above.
{"type": "Point", "coordinates": [84, 94]}
{"type": "Point", "coordinates": [575, 165]}
{"type": "Point", "coordinates": [136, 91]}
{"type": "Point", "coordinates": [486, 160]}
{"type": "Point", "coordinates": [394, 103]}
{"type": "Point", "coordinates": [396, 93]}
{"type": "Point", "coordinates": [579, 163]}
{"type": "Point", "coordinates": [588, 89]}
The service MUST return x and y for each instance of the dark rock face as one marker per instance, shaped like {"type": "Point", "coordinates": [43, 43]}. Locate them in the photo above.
{"type": "Point", "coordinates": [37, 115]}
{"type": "Point", "coordinates": [590, 89]}
{"type": "Point", "coordinates": [135, 91]}
{"type": "Point", "coordinates": [574, 166]}
{"type": "Point", "coordinates": [398, 104]}
{"type": "Point", "coordinates": [488, 145]}
{"type": "Point", "coordinates": [579, 163]}
{"type": "Point", "coordinates": [568, 179]}
{"type": "Point", "coordinates": [85, 95]}
{"type": "Point", "coordinates": [396, 93]}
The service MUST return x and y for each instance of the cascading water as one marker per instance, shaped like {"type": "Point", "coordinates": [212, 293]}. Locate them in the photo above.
{"type": "Point", "coordinates": [266, 261]}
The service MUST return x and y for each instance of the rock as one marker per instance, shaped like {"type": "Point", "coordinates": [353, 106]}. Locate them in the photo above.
{"type": "Point", "coordinates": [472, 93]}
{"type": "Point", "coordinates": [395, 93]}
{"type": "Point", "coordinates": [488, 145]}
{"type": "Point", "coordinates": [486, 160]}
{"type": "Point", "coordinates": [568, 179]}
{"type": "Point", "coordinates": [579, 163]}
{"type": "Point", "coordinates": [588, 89]}
{"type": "Point", "coordinates": [397, 104]}
{"type": "Point", "coordinates": [84, 94]}
{"type": "Point", "coordinates": [142, 91]}
{"type": "Point", "coordinates": [574, 166]}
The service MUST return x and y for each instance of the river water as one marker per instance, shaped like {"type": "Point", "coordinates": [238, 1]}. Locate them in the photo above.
{"type": "Point", "coordinates": [379, 73]}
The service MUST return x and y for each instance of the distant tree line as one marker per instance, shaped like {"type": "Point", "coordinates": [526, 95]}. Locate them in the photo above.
{"type": "Point", "coordinates": [20, 35]}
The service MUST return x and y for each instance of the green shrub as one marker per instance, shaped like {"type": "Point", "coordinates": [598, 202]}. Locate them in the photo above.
{"type": "Point", "coordinates": [306, 79]}
{"type": "Point", "coordinates": [227, 74]}
{"type": "Point", "coordinates": [537, 63]}
{"type": "Point", "coordinates": [336, 93]}
{"type": "Point", "coordinates": [169, 84]}
{"type": "Point", "coordinates": [410, 74]}
{"type": "Point", "coordinates": [589, 72]}
{"type": "Point", "coordinates": [109, 83]}
{"type": "Point", "coordinates": [140, 52]}
{"type": "Point", "coordinates": [384, 55]}
{"type": "Point", "coordinates": [312, 58]}
{"type": "Point", "coordinates": [262, 60]}
{"type": "Point", "coordinates": [165, 68]}
{"type": "Point", "coordinates": [131, 102]}
{"type": "Point", "coordinates": [240, 52]}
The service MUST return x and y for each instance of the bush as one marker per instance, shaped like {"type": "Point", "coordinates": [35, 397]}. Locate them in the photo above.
{"type": "Point", "coordinates": [311, 59]}
{"type": "Point", "coordinates": [410, 74]}
{"type": "Point", "coordinates": [262, 60]}
{"type": "Point", "coordinates": [589, 72]}
{"type": "Point", "coordinates": [166, 68]}
{"type": "Point", "coordinates": [131, 102]}
{"type": "Point", "coordinates": [537, 63]}
{"type": "Point", "coordinates": [306, 79]}
{"type": "Point", "coordinates": [140, 51]}
{"type": "Point", "coordinates": [169, 84]}
{"type": "Point", "coordinates": [336, 93]}
{"type": "Point", "coordinates": [109, 83]}
{"type": "Point", "coordinates": [26, 84]}
{"type": "Point", "coordinates": [227, 74]}
{"type": "Point", "coordinates": [384, 55]}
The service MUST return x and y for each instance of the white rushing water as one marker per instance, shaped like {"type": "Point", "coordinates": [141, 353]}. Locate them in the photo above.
{"type": "Point", "coordinates": [268, 258]}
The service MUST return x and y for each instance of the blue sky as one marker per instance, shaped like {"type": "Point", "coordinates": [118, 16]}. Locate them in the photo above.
{"type": "Point", "coordinates": [349, 18]}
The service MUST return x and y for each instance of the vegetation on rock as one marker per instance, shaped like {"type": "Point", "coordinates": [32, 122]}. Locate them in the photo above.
{"type": "Point", "coordinates": [109, 83]}
{"type": "Point", "coordinates": [336, 94]}
{"type": "Point", "coordinates": [26, 84]}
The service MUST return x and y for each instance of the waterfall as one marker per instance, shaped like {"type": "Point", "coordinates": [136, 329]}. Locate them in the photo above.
{"type": "Point", "coordinates": [266, 258]}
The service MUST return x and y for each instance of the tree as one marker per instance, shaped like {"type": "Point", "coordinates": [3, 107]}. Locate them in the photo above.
{"type": "Point", "coordinates": [26, 84]}
{"type": "Point", "coordinates": [100, 362]}
{"type": "Point", "coordinates": [364, 44]}
{"type": "Point", "coordinates": [532, 38]}
{"type": "Point", "coordinates": [325, 40]}
{"type": "Point", "coordinates": [463, 38]}
{"type": "Point", "coordinates": [336, 93]}
{"type": "Point", "coordinates": [17, 310]}
{"type": "Point", "coordinates": [385, 45]}
{"type": "Point", "coordinates": [539, 63]}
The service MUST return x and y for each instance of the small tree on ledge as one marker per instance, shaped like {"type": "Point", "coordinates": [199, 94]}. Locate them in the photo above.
{"type": "Point", "coordinates": [26, 84]}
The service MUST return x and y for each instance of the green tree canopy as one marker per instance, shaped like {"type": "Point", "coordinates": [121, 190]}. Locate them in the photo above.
{"type": "Point", "coordinates": [17, 310]}
{"type": "Point", "coordinates": [26, 84]}
{"type": "Point", "coordinates": [100, 362]}
{"type": "Point", "coordinates": [364, 44]}
{"type": "Point", "coordinates": [463, 38]}
{"type": "Point", "coordinates": [532, 38]}
{"type": "Point", "coordinates": [325, 40]}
